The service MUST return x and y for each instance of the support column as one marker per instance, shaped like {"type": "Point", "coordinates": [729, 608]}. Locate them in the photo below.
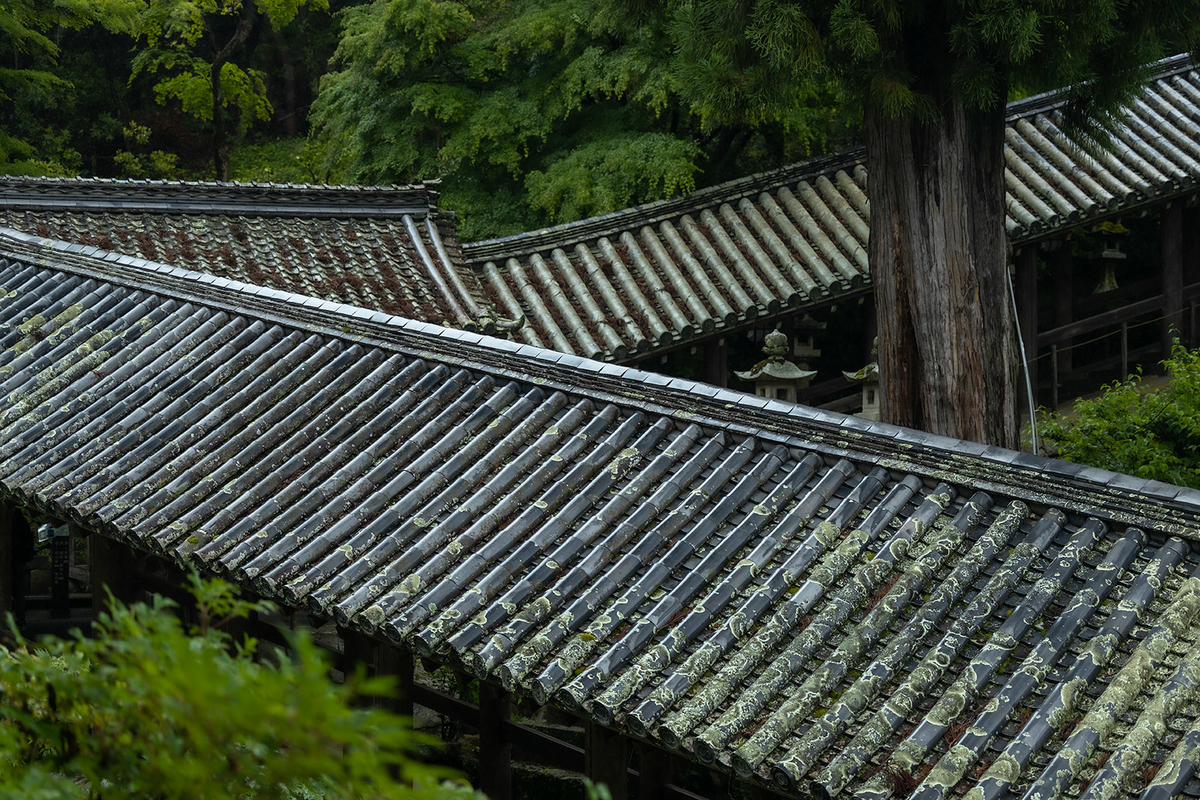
{"type": "Point", "coordinates": [1191, 264]}
{"type": "Point", "coordinates": [495, 743]}
{"type": "Point", "coordinates": [1172, 272]}
{"type": "Point", "coordinates": [716, 362]}
{"type": "Point", "coordinates": [656, 769]}
{"type": "Point", "coordinates": [60, 571]}
{"type": "Point", "coordinates": [1026, 291]}
{"type": "Point", "coordinates": [399, 664]}
{"type": "Point", "coordinates": [606, 759]}
{"type": "Point", "coordinates": [1064, 298]}
{"type": "Point", "coordinates": [379, 658]}
{"type": "Point", "coordinates": [111, 566]}
{"type": "Point", "coordinates": [8, 564]}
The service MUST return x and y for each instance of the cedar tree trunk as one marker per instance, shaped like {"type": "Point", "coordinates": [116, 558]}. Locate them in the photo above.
{"type": "Point", "coordinates": [938, 254]}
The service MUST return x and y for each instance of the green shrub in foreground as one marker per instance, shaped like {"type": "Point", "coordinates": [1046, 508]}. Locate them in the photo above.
{"type": "Point", "coordinates": [148, 710]}
{"type": "Point", "coordinates": [1147, 434]}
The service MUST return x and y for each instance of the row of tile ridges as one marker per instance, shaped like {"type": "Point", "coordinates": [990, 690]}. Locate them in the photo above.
{"type": "Point", "coordinates": [1081, 487]}
{"type": "Point", "coordinates": [650, 286]}
{"type": "Point", "coordinates": [484, 456]}
{"type": "Point", "coordinates": [400, 265]}
{"type": "Point", "coordinates": [668, 280]}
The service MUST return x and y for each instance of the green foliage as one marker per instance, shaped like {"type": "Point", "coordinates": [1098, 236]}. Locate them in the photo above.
{"type": "Point", "coordinates": [290, 160]}
{"type": "Point", "coordinates": [146, 710]}
{"type": "Point", "coordinates": [154, 164]}
{"type": "Point", "coordinates": [194, 43]}
{"type": "Point", "coordinates": [1151, 434]}
{"type": "Point", "coordinates": [740, 60]}
{"type": "Point", "coordinates": [190, 83]}
{"type": "Point", "coordinates": [537, 111]}
{"type": "Point", "coordinates": [30, 80]}
{"type": "Point", "coordinates": [598, 177]}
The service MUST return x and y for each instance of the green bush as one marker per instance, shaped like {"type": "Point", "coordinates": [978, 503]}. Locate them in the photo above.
{"type": "Point", "coordinates": [1150, 434]}
{"type": "Point", "coordinates": [147, 710]}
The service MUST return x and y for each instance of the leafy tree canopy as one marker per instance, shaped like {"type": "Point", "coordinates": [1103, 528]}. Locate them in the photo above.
{"type": "Point", "coordinates": [194, 42]}
{"type": "Point", "coordinates": [1151, 434]}
{"type": "Point", "coordinates": [145, 710]}
{"type": "Point", "coordinates": [911, 57]}
{"type": "Point", "coordinates": [31, 53]}
{"type": "Point", "coordinates": [537, 111]}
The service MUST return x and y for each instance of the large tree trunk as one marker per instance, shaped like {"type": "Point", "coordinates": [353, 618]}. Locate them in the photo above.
{"type": "Point", "coordinates": [938, 254]}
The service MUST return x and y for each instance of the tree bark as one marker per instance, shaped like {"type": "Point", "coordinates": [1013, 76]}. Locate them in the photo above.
{"type": "Point", "coordinates": [938, 254]}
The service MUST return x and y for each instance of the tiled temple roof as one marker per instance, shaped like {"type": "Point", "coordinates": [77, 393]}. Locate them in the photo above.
{"type": "Point", "coordinates": [805, 598]}
{"type": "Point", "coordinates": [387, 248]}
{"type": "Point", "coordinates": [665, 273]}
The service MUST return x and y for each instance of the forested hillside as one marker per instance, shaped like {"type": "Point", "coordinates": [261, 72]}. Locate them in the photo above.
{"type": "Point", "coordinates": [533, 112]}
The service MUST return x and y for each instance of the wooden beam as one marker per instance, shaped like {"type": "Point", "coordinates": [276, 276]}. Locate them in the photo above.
{"type": "Point", "coordinates": [716, 356]}
{"type": "Point", "coordinates": [495, 742]}
{"type": "Point", "coordinates": [530, 743]}
{"type": "Point", "coordinates": [378, 658]}
{"type": "Point", "coordinates": [1063, 334]}
{"type": "Point", "coordinates": [1191, 261]}
{"type": "Point", "coordinates": [1172, 273]}
{"type": "Point", "coordinates": [398, 663]}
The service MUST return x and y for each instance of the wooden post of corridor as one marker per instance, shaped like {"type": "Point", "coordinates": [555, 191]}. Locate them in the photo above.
{"type": "Point", "coordinates": [8, 572]}
{"type": "Point", "coordinates": [1172, 273]}
{"type": "Point", "coordinates": [606, 758]}
{"type": "Point", "coordinates": [1027, 316]}
{"type": "Point", "coordinates": [111, 568]}
{"type": "Point", "coordinates": [495, 743]}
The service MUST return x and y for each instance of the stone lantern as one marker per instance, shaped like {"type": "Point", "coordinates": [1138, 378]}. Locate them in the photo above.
{"type": "Point", "coordinates": [776, 377]}
{"type": "Point", "coordinates": [868, 379]}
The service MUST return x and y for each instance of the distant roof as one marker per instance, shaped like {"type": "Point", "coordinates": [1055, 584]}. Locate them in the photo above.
{"type": "Point", "coordinates": [791, 594]}
{"type": "Point", "coordinates": [665, 273]}
{"type": "Point", "coordinates": [383, 247]}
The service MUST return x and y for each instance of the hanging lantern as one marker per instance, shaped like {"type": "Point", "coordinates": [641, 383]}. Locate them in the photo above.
{"type": "Point", "coordinates": [1112, 233]}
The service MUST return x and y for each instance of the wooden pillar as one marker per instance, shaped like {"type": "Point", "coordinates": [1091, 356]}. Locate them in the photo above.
{"type": "Point", "coordinates": [1026, 291]}
{"type": "Point", "coordinates": [359, 651]}
{"type": "Point", "coordinates": [8, 564]}
{"type": "Point", "coordinates": [1191, 262]}
{"type": "Point", "coordinates": [495, 743]}
{"type": "Point", "coordinates": [1172, 273]}
{"type": "Point", "coordinates": [606, 759]}
{"type": "Point", "coordinates": [380, 659]}
{"type": "Point", "coordinates": [716, 362]}
{"type": "Point", "coordinates": [656, 769]}
{"type": "Point", "coordinates": [399, 664]}
{"type": "Point", "coordinates": [111, 567]}
{"type": "Point", "coordinates": [60, 571]}
{"type": "Point", "coordinates": [1064, 297]}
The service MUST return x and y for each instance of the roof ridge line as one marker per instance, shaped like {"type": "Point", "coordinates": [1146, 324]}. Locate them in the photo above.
{"type": "Point", "coordinates": [657, 210]}
{"type": "Point", "coordinates": [264, 199]}
{"type": "Point", "coordinates": [1056, 98]}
